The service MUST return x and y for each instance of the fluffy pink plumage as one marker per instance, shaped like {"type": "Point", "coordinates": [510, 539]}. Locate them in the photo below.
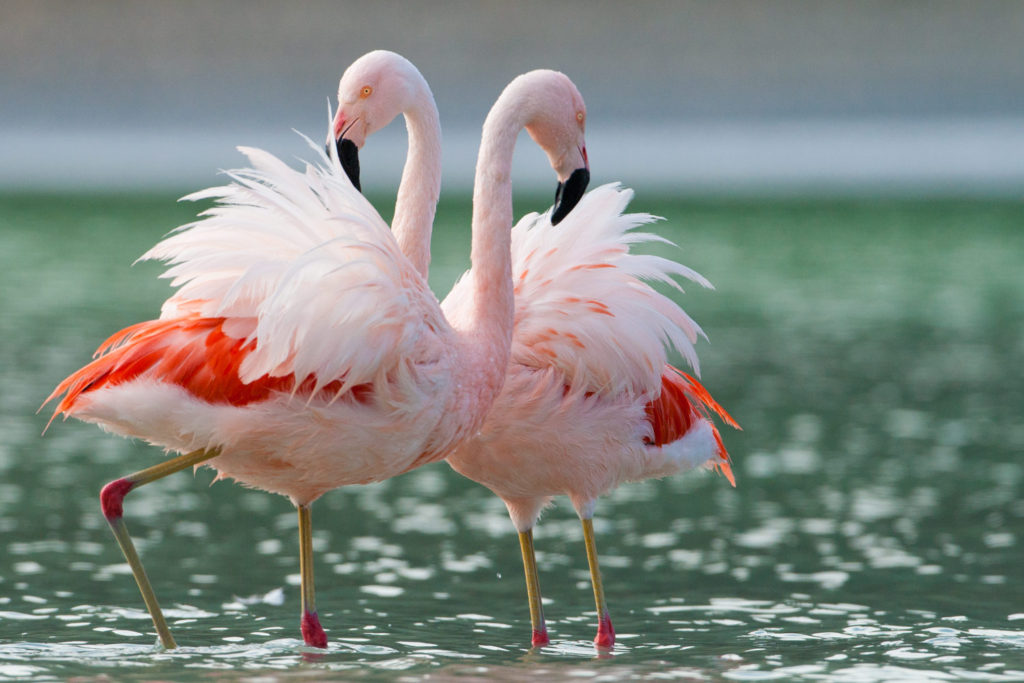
{"type": "Point", "coordinates": [590, 401]}
{"type": "Point", "coordinates": [234, 362]}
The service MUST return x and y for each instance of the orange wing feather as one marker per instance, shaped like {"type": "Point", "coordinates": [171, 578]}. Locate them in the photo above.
{"type": "Point", "coordinates": [192, 352]}
{"type": "Point", "coordinates": [682, 401]}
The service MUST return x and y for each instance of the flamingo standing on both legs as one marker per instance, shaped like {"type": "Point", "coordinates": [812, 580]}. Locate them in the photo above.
{"type": "Point", "coordinates": [589, 400]}
{"type": "Point", "coordinates": [303, 351]}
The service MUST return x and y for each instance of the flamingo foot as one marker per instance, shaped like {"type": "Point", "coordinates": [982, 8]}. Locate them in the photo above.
{"type": "Point", "coordinates": [312, 632]}
{"type": "Point", "coordinates": [540, 637]}
{"type": "Point", "coordinates": [605, 633]}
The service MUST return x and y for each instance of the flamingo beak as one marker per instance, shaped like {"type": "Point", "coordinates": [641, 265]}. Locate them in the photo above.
{"type": "Point", "coordinates": [348, 151]}
{"type": "Point", "coordinates": [348, 155]}
{"type": "Point", "coordinates": [569, 193]}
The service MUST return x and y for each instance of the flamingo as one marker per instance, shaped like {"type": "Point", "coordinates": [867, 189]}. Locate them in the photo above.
{"type": "Point", "coordinates": [589, 400]}
{"type": "Point", "coordinates": [302, 351]}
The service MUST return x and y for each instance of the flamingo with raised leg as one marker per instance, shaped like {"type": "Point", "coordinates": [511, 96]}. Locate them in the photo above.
{"type": "Point", "coordinates": [302, 350]}
{"type": "Point", "coordinates": [589, 401]}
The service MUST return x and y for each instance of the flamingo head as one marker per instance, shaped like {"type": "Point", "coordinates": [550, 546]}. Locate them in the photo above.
{"type": "Point", "coordinates": [375, 89]}
{"type": "Point", "coordinates": [558, 124]}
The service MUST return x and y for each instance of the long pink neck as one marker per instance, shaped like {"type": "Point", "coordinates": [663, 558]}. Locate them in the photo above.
{"type": "Point", "coordinates": [488, 327]}
{"type": "Point", "coordinates": [421, 181]}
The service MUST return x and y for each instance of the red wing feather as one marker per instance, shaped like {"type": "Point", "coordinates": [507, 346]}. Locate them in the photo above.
{"type": "Point", "coordinates": [682, 401]}
{"type": "Point", "coordinates": [193, 353]}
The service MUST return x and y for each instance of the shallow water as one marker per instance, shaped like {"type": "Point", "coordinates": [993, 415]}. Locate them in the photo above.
{"type": "Point", "coordinates": [871, 351]}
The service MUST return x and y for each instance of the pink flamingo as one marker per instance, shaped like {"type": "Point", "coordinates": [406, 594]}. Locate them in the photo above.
{"type": "Point", "coordinates": [589, 401]}
{"type": "Point", "coordinates": [303, 351]}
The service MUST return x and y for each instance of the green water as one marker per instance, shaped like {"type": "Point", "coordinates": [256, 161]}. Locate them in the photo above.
{"type": "Point", "coordinates": [871, 351]}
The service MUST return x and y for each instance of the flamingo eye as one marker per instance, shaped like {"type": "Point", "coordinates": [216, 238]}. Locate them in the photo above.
{"type": "Point", "coordinates": [580, 116]}
{"type": "Point", "coordinates": [365, 92]}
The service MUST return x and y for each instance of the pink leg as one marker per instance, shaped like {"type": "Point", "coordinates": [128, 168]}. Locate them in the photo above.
{"type": "Point", "coordinates": [312, 632]}
{"type": "Point", "coordinates": [605, 633]}
{"type": "Point", "coordinates": [112, 503]}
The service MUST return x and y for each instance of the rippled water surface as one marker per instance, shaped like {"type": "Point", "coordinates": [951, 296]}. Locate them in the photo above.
{"type": "Point", "coordinates": [871, 351]}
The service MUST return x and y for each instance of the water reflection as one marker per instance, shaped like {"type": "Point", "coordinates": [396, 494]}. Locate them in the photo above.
{"type": "Point", "coordinates": [875, 534]}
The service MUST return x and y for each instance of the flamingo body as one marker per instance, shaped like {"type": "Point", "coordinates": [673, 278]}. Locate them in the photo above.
{"type": "Point", "coordinates": [589, 401]}
{"type": "Point", "coordinates": [296, 397]}
{"type": "Point", "coordinates": [176, 385]}
{"type": "Point", "coordinates": [589, 444]}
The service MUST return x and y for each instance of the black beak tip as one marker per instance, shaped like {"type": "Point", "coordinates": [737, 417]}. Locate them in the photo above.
{"type": "Point", "coordinates": [569, 193]}
{"type": "Point", "coordinates": [348, 155]}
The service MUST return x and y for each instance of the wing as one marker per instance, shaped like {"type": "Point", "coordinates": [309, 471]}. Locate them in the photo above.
{"type": "Point", "coordinates": [306, 257]}
{"type": "Point", "coordinates": [682, 401]}
{"type": "Point", "coordinates": [584, 303]}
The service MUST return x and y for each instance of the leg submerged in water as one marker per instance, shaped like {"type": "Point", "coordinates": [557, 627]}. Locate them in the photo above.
{"type": "Point", "coordinates": [605, 633]}
{"type": "Point", "coordinates": [540, 630]}
{"type": "Point", "coordinates": [312, 632]}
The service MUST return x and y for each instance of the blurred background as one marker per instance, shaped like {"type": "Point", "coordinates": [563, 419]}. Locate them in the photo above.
{"type": "Point", "coordinates": [849, 175]}
{"type": "Point", "coordinates": [696, 97]}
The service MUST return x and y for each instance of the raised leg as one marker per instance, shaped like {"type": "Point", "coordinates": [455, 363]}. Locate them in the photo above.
{"type": "Point", "coordinates": [605, 633]}
{"type": "Point", "coordinates": [112, 502]}
{"type": "Point", "coordinates": [540, 630]}
{"type": "Point", "coordinates": [312, 632]}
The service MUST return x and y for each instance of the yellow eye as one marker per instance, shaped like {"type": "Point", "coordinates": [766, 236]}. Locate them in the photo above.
{"type": "Point", "coordinates": [365, 92]}
{"type": "Point", "coordinates": [580, 116]}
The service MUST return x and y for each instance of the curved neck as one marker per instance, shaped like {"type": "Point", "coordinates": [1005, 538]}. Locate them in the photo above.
{"type": "Point", "coordinates": [421, 181]}
{"type": "Point", "coordinates": [489, 323]}
{"type": "Point", "coordinates": [492, 204]}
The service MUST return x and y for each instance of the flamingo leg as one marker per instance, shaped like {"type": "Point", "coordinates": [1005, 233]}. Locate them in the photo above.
{"type": "Point", "coordinates": [112, 502]}
{"type": "Point", "coordinates": [540, 630]}
{"type": "Point", "coordinates": [312, 632]}
{"type": "Point", "coordinates": [605, 633]}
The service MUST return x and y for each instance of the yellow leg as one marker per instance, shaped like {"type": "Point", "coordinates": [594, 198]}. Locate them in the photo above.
{"type": "Point", "coordinates": [112, 502]}
{"type": "Point", "coordinates": [605, 633]}
{"type": "Point", "coordinates": [312, 632]}
{"type": "Point", "coordinates": [540, 630]}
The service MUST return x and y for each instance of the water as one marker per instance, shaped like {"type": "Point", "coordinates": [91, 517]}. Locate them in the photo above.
{"type": "Point", "coordinates": [871, 351]}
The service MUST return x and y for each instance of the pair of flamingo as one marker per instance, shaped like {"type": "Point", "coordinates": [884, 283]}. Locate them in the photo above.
{"type": "Point", "coordinates": [303, 349]}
